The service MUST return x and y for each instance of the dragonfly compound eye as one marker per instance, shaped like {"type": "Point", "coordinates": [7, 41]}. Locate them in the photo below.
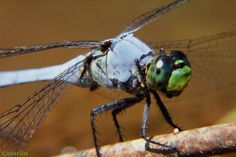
{"type": "Point", "coordinates": [179, 55]}
{"type": "Point", "coordinates": [169, 73]}
{"type": "Point", "coordinates": [158, 72]}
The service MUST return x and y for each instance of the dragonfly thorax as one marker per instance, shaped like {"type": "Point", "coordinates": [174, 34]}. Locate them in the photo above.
{"type": "Point", "coordinates": [117, 69]}
{"type": "Point", "coordinates": [168, 73]}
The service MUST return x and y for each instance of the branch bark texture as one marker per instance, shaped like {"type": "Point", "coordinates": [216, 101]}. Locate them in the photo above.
{"type": "Point", "coordinates": [206, 141]}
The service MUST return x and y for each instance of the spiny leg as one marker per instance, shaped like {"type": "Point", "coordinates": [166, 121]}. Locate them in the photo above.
{"type": "Point", "coordinates": [145, 117]}
{"type": "Point", "coordinates": [114, 115]}
{"type": "Point", "coordinates": [164, 111]}
{"type": "Point", "coordinates": [146, 114]}
{"type": "Point", "coordinates": [167, 149]}
{"type": "Point", "coordinates": [148, 99]}
{"type": "Point", "coordinates": [116, 111]}
{"type": "Point", "coordinates": [113, 105]}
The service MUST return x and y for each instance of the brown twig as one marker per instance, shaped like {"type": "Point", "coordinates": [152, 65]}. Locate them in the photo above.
{"type": "Point", "coordinates": [211, 140]}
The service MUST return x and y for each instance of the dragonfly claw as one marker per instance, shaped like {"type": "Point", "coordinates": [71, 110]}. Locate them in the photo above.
{"type": "Point", "coordinates": [164, 148]}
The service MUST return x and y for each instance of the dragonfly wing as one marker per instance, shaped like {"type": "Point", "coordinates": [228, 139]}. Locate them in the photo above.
{"type": "Point", "coordinates": [212, 59]}
{"type": "Point", "coordinates": [148, 17]}
{"type": "Point", "coordinates": [64, 44]}
{"type": "Point", "coordinates": [18, 124]}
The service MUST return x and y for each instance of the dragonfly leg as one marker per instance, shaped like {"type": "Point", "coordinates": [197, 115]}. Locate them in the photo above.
{"type": "Point", "coordinates": [145, 116]}
{"type": "Point", "coordinates": [148, 100]}
{"type": "Point", "coordinates": [116, 111]}
{"type": "Point", "coordinates": [164, 111]}
{"type": "Point", "coordinates": [166, 148]}
{"type": "Point", "coordinates": [114, 115]}
{"type": "Point", "coordinates": [113, 105]}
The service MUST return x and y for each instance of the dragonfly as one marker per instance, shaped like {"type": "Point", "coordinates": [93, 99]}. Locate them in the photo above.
{"type": "Point", "coordinates": [123, 62]}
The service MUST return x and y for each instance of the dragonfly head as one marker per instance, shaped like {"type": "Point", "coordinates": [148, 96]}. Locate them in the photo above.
{"type": "Point", "coordinates": [168, 73]}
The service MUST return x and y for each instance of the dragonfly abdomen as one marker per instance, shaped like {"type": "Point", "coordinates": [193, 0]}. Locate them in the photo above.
{"type": "Point", "coordinates": [9, 78]}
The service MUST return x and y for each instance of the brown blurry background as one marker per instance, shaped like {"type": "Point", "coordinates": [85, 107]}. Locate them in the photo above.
{"type": "Point", "coordinates": [32, 22]}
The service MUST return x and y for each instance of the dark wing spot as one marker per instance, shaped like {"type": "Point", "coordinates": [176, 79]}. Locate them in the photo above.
{"type": "Point", "coordinates": [105, 46]}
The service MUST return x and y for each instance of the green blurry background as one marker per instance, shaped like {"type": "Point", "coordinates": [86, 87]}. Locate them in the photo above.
{"type": "Point", "coordinates": [30, 22]}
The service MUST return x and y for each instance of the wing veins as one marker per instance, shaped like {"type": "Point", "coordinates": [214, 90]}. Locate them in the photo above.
{"type": "Point", "coordinates": [35, 48]}
{"type": "Point", "coordinates": [148, 17]}
{"type": "Point", "coordinates": [53, 90]}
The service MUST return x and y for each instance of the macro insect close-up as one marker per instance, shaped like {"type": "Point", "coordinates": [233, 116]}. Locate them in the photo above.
{"type": "Point", "coordinates": [90, 58]}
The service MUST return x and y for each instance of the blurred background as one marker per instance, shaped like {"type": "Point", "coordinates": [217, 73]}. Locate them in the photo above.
{"type": "Point", "coordinates": [68, 124]}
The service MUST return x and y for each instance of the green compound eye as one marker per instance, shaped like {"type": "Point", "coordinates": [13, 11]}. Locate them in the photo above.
{"type": "Point", "coordinates": [158, 73]}
{"type": "Point", "coordinates": [169, 73]}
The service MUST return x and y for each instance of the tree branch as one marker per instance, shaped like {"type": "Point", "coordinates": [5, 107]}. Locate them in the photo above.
{"type": "Point", "coordinates": [211, 140]}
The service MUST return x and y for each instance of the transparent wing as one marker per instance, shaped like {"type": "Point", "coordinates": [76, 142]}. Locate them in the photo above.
{"type": "Point", "coordinates": [212, 59]}
{"type": "Point", "coordinates": [34, 48]}
{"type": "Point", "coordinates": [146, 18]}
{"type": "Point", "coordinates": [18, 124]}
